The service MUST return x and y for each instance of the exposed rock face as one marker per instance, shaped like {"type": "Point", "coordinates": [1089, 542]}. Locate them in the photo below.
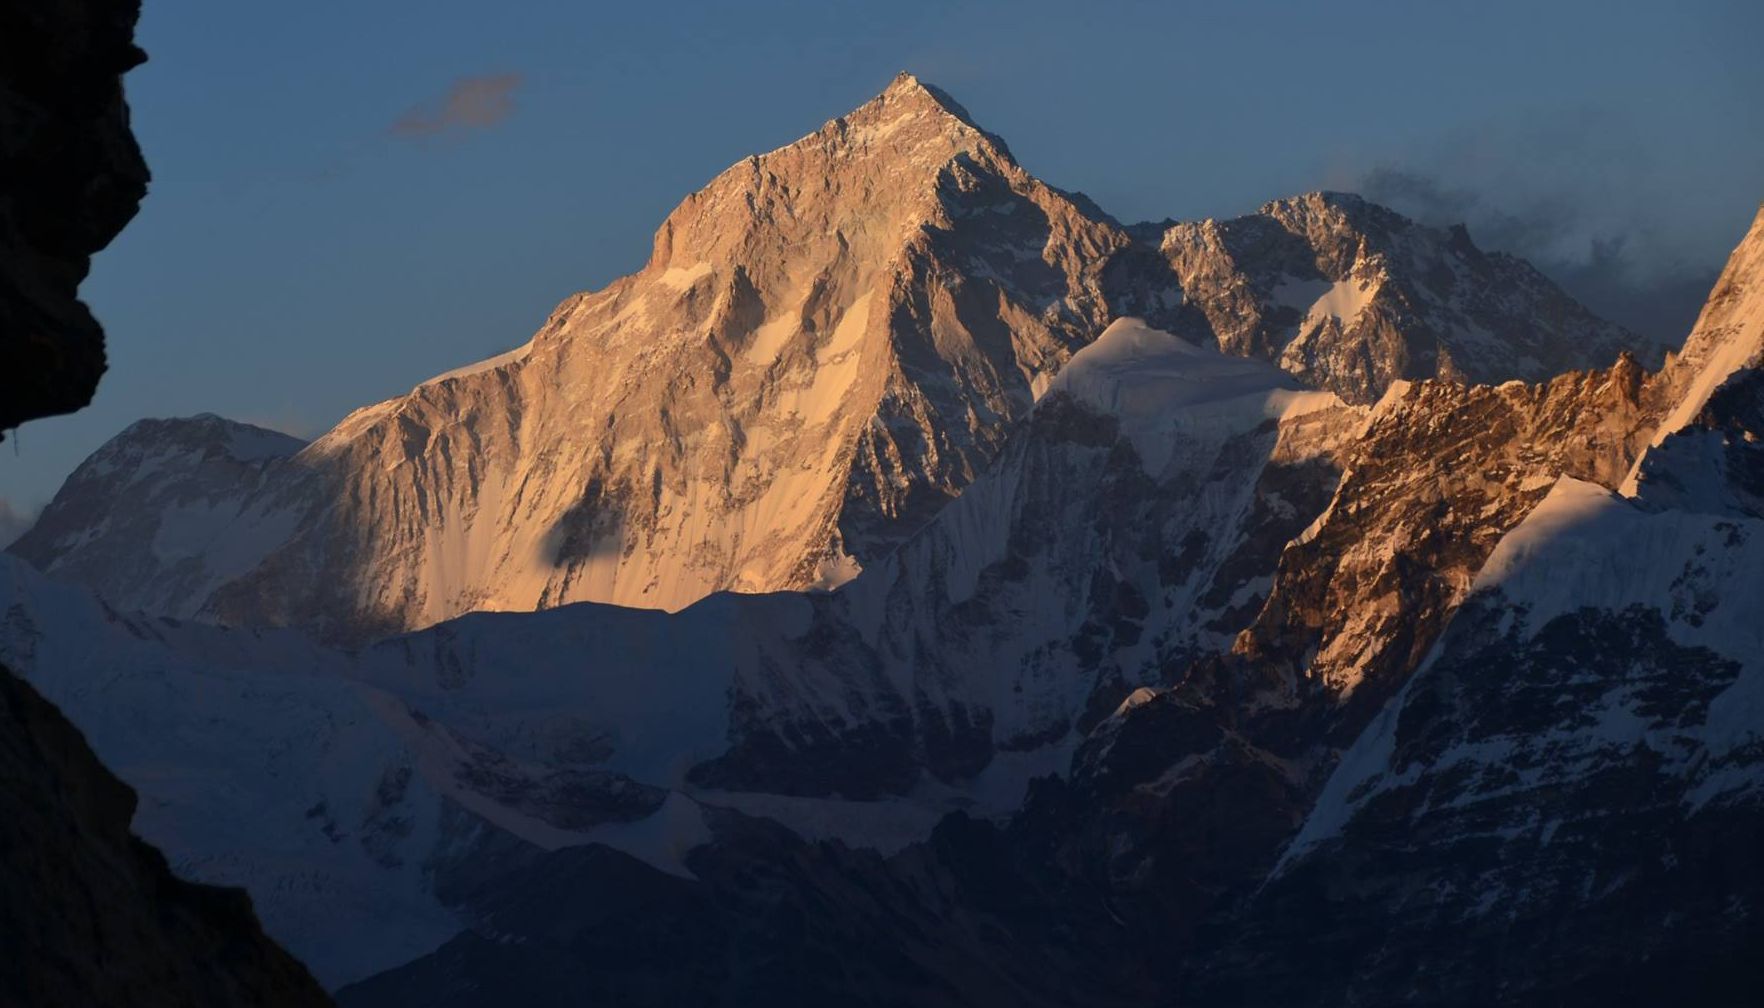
{"type": "Point", "coordinates": [89, 914]}
{"type": "Point", "coordinates": [1440, 473]}
{"type": "Point", "coordinates": [1578, 766]}
{"type": "Point", "coordinates": [828, 343]}
{"type": "Point", "coordinates": [1701, 413]}
{"type": "Point", "coordinates": [72, 178]}
{"type": "Point", "coordinates": [1351, 297]}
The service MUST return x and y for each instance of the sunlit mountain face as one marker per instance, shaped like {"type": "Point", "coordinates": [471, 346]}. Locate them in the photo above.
{"type": "Point", "coordinates": [915, 586]}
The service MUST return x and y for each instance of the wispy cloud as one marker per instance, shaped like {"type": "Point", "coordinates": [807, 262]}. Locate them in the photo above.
{"type": "Point", "coordinates": [471, 103]}
{"type": "Point", "coordinates": [1574, 195]}
{"type": "Point", "coordinates": [1624, 270]}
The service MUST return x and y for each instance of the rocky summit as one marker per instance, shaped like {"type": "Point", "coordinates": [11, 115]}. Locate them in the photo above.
{"type": "Point", "coordinates": [915, 587]}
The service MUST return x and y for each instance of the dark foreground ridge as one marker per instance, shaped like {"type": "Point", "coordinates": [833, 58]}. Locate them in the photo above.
{"type": "Point", "coordinates": [89, 914]}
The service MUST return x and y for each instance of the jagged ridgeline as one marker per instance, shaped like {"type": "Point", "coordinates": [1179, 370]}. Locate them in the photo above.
{"type": "Point", "coordinates": [1308, 608]}
{"type": "Point", "coordinates": [829, 343]}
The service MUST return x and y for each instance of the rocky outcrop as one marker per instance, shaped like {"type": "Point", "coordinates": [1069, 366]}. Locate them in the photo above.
{"type": "Point", "coordinates": [72, 178]}
{"type": "Point", "coordinates": [1439, 474]}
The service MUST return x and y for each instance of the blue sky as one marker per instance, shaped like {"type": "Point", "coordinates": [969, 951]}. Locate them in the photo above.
{"type": "Point", "coordinates": [324, 229]}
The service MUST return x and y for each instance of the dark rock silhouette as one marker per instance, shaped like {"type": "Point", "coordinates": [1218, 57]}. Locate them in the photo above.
{"type": "Point", "coordinates": [89, 914]}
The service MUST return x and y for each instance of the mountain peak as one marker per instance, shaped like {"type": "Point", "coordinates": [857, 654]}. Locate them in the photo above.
{"type": "Point", "coordinates": [910, 113]}
{"type": "Point", "coordinates": [1727, 339]}
{"type": "Point", "coordinates": [204, 432]}
{"type": "Point", "coordinates": [1344, 201]}
{"type": "Point", "coordinates": [1335, 209]}
{"type": "Point", "coordinates": [907, 94]}
{"type": "Point", "coordinates": [878, 170]}
{"type": "Point", "coordinates": [1350, 296]}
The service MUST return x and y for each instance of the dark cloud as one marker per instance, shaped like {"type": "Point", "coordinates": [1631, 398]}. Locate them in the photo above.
{"type": "Point", "coordinates": [1620, 269]}
{"type": "Point", "coordinates": [1620, 223]}
{"type": "Point", "coordinates": [13, 522]}
{"type": "Point", "coordinates": [471, 103]}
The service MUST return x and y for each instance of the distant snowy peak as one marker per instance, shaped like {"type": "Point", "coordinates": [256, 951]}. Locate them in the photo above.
{"type": "Point", "coordinates": [1351, 296]}
{"type": "Point", "coordinates": [166, 511]}
{"type": "Point", "coordinates": [204, 436]}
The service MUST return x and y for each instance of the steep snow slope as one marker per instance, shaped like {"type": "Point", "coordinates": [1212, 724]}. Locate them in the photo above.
{"type": "Point", "coordinates": [1727, 339]}
{"type": "Point", "coordinates": [1133, 519]}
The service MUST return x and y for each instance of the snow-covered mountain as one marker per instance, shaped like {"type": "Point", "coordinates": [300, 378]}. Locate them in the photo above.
{"type": "Point", "coordinates": [1275, 611]}
{"type": "Point", "coordinates": [1578, 765]}
{"type": "Point", "coordinates": [1495, 737]}
{"type": "Point", "coordinates": [1128, 524]}
{"type": "Point", "coordinates": [191, 523]}
{"type": "Point", "coordinates": [829, 342]}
